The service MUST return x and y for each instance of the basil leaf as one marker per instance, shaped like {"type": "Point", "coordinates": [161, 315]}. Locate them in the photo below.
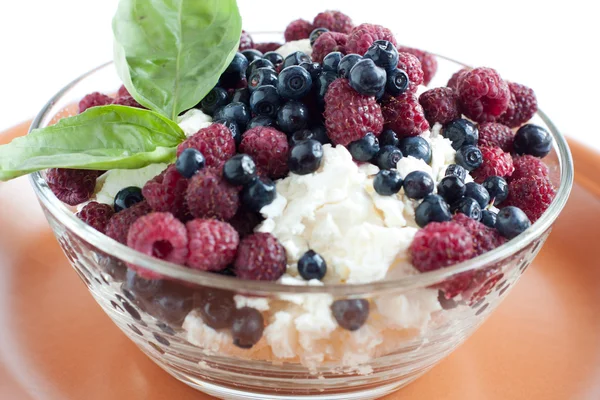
{"type": "Point", "coordinates": [104, 137]}
{"type": "Point", "coordinates": [171, 53]}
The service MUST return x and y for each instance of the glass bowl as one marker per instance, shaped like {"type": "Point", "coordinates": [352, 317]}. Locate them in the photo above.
{"type": "Point", "coordinates": [302, 352]}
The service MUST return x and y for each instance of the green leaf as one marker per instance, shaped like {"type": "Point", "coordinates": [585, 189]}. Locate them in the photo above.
{"type": "Point", "coordinates": [104, 137]}
{"type": "Point", "coordinates": [171, 53]}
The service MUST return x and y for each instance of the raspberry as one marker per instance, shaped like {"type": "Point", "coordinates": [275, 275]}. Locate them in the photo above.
{"type": "Point", "coordinates": [484, 239]}
{"type": "Point", "coordinates": [456, 78]}
{"type": "Point", "coordinates": [269, 149]}
{"type": "Point", "coordinates": [96, 215]}
{"type": "Point", "coordinates": [439, 245]}
{"type": "Point", "coordinates": [532, 194]}
{"type": "Point", "coordinates": [483, 94]}
{"type": "Point", "coordinates": [209, 196]}
{"type": "Point", "coordinates": [260, 257]}
{"type": "Point", "coordinates": [327, 43]}
{"type": "Point", "coordinates": [363, 36]}
{"type": "Point", "coordinates": [166, 193]}
{"type": "Point", "coordinates": [119, 224]}
{"type": "Point", "coordinates": [495, 163]}
{"type": "Point", "coordinates": [123, 92]}
{"type": "Point", "coordinates": [246, 41]}
{"type": "Point", "coordinates": [483, 283]}
{"type": "Point", "coordinates": [245, 221]}
{"type": "Point", "coordinates": [404, 115]}
{"type": "Point", "coordinates": [215, 142]}
{"type": "Point", "coordinates": [495, 134]}
{"type": "Point", "coordinates": [297, 30]}
{"type": "Point", "coordinates": [335, 21]}
{"type": "Point", "coordinates": [349, 115]}
{"type": "Point", "coordinates": [428, 62]}
{"type": "Point", "coordinates": [440, 105]}
{"type": "Point", "coordinates": [527, 166]}
{"type": "Point", "coordinates": [266, 47]}
{"type": "Point", "coordinates": [412, 66]}
{"type": "Point", "coordinates": [127, 101]}
{"type": "Point", "coordinates": [159, 235]}
{"type": "Point", "coordinates": [521, 107]}
{"type": "Point", "coordinates": [212, 244]}
{"type": "Point", "coordinates": [72, 186]}
{"type": "Point", "coordinates": [94, 100]}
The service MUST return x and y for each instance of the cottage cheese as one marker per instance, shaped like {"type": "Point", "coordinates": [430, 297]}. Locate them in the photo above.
{"type": "Point", "coordinates": [193, 120]}
{"type": "Point", "coordinates": [294, 46]}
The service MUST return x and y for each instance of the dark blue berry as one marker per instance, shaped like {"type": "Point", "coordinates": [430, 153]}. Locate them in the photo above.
{"type": "Point", "coordinates": [293, 116]}
{"type": "Point", "coordinates": [305, 157]}
{"type": "Point", "coordinates": [237, 112]}
{"type": "Point", "coordinates": [216, 98]}
{"type": "Point", "coordinates": [479, 193]}
{"type": "Point", "coordinates": [433, 208]}
{"type": "Point", "coordinates": [235, 72]}
{"type": "Point", "coordinates": [314, 35]}
{"type": "Point", "coordinates": [456, 170]}
{"type": "Point", "coordinates": [350, 314]}
{"type": "Point", "coordinates": [313, 68]}
{"type": "Point", "coordinates": [388, 138]}
{"type": "Point", "coordinates": [261, 120]}
{"type": "Point", "coordinates": [383, 54]}
{"type": "Point", "coordinates": [265, 101]}
{"type": "Point", "coordinates": [461, 132]}
{"type": "Point", "coordinates": [451, 188]}
{"type": "Point", "coordinates": [469, 157]}
{"type": "Point", "coordinates": [127, 197]}
{"type": "Point", "coordinates": [388, 157]}
{"type": "Point", "coordinates": [488, 218]}
{"type": "Point", "coordinates": [247, 327]}
{"type": "Point", "coordinates": [387, 182]}
{"type": "Point", "coordinates": [346, 64]}
{"type": "Point", "coordinates": [511, 222]}
{"type": "Point", "coordinates": [320, 133]}
{"type": "Point", "coordinates": [241, 95]}
{"type": "Point", "coordinates": [418, 184]}
{"type": "Point", "coordinates": [331, 61]}
{"type": "Point", "coordinates": [367, 78]}
{"type": "Point", "coordinates": [216, 307]}
{"type": "Point", "coordinates": [468, 206]}
{"type": "Point", "coordinates": [397, 82]}
{"type": "Point", "coordinates": [295, 58]}
{"type": "Point", "coordinates": [312, 266]}
{"type": "Point", "coordinates": [252, 54]}
{"type": "Point", "coordinates": [258, 63]}
{"type": "Point", "coordinates": [497, 188]}
{"type": "Point", "coordinates": [416, 147]}
{"type": "Point", "coordinates": [258, 193]}
{"type": "Point", "coordinates": [317, 133]}
{"type": "Point", "coordinates": [261, 77]}
{"type": "Point", "coordinates": [275, 58]}
{"type": "Point", "coordinates": [294, 82]}
{"type": "Point", "coordinates": [239, 169]}
{"type": "Point", "coordinates": [233, 127]}
{"type": "Point", "coordinates": [534, 140]}
{"type": "Point", "coordinates": [323, 83]}
{"type": "Point", "coordinates": [189, 162]}
{"type": "Point", "coordinates": [365, 148]}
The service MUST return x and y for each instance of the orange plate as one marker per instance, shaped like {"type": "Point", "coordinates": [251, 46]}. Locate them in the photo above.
{"type": "Point", "coordinates": [541, 343]}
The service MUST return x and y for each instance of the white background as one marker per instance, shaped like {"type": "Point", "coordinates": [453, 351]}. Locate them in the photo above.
{"type": "Point", "coordinates": [550, 46]}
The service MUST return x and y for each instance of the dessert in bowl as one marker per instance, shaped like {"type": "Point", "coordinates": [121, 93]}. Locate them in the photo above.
{"type": "Point", "coordinates": [335, 280]}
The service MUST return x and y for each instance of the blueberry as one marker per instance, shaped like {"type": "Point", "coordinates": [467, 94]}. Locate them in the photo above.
{"type": "Point", "coordinates": [237, 112]}
{"type": "Point", "coordinates": [312, 266]}
{"type": "Point", "coordinates": [534, 140]}
{"type": "Point", "coordinates": [323, 83]}
{"type": "Point", "coordinates": [456, 170]}
{"type": "Point", "coordinates": [383, 54]}
{"type": "Point", "coordinates": [258, 63]}
{"type": "Point", "coordinates": [239, 169]}
{"type": "Point", "coordinates": [236, 71]}
{"type": "Point", "coordinates": [252, 54]}
{"type": "Point", "coordinates": [261, 120]}
{"type": "Point", "coordinates": [461, 132]}
{"type": "Point", "coordinates": [364, 149]}
{"type": "Point", "coordinates": [511, 222]}
{"type": "Point", "coordinates": [468, 206]}
{"type": "Point", "coordinates": [367, 78]}
{"type": "Point", "coordinates": [314, 35]}
{"type": "Point", "coordinates": [216, 98]}
{"type": "Point", "coordinates": [313, 68]}
{"type": "Point", "coordinates": [388, 157]}
{"type": "Point", "coordinates": [292, 116]}
{"type": "Point", "coordinates": [171, 304]}
{"type": "Point", "coordinates": [331, 61]}
{"type": "Point", "coordinates": [127, 197]}
{"type": "Point", "coordinates": [497, 188]}
{"type": "Point", "coordinates": [258, 193]}
{"type": "Point", "coordinates": [294, 82]}
{"type": "Point", "coordinates": [387, 182]}
{"type": "Point", "coordinates": [469, 157]}
{"type": "Point", "coordinates": [388, 138]}
{"type": "Point", "coordinates": [261, 77]}
{"type": "Point", "coordinates": [433, 208]}
{"type": "Point", "coordinates": [418, 184]}
{"type": "Point", "coordinates": [416, 147]}
{"type": "Point", "coordinates": [346, 64]}
{"type": "Point", "coordinates": [451, 188]}
{"type": "Point", "coordinates": [295, 58]}
{"type": "Point", "coordinates": [317, 133]}
{"type": "Point", "coordinates": [138, 289]}
{"type": "Point", "coordinates": [216, 307]}
{"type": "Point", "coordinates": [320, 133]}
{"type": "Point", "coordinates": [233, 127]}
{"type": "Point", "coordinates": [305, 157]}
{"type": "Point", "coordinates": [397, 82]}
{"type": "Point", "coordinates": [479, 193]}
{"type": "Point", "coordinates": [350, 314]}
{"type": "Point", "coordinates": [189, 162]}
{"type": "Point", "coordinates": [275, 58]}
{"type": "Point", "coordinates": [241, 95]}
{"type": "Point", "coordinates": [247, 327]}
{"type": "Point", "coordinates": [265, 101]}
{"type": "Point", "coordinates": [488, 218]}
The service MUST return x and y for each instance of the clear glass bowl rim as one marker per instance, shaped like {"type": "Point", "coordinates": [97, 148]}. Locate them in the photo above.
{"type": "Point", "coordinates": [66, 217]}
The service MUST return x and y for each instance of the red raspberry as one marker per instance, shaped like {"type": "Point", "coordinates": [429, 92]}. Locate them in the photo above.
{"type": "Point", "coordinates": [245, 221]}
{"type": "Point", "coordinates": [483, 283]}
{"type": "Point", "coordinates": [118, 225]}
{"type": "Point", "coordinates": [439, 245]}
{"type": "Point", "coordinates": [215, 142]}
{"type": "Point", "coordinates": [260, 257]}
{"type": "Point", "coordinates": [456, 78]}
{"type": "Point", "coordinates": [440, 105]}
{"type": "Point", "coordinates": [72, 186]}
{"type": "Point", "coordinates": [532, 194]}
{"type": "Point", "coordinates": [297, 30]}
{"type": "Point", "coordinates": [166, 193]}
{"type": "Point", "coordinates": [209, 196]}
{"type": "Point", "coordinates": [159, 235]}
{"type": "Point", "coordinates": [94, 100]}
{"type": "Point", "coordinates": [246, 41]}
{"type": "Point", "coordinates": [404, 115]}
{"type": "Point", "coordinates": [127, 101]}
{"type": "Point", "coordinates": [266, 47]}
{"type": "Point", "coordinates": [327, 43]}
{"type": "Point", "coordinates": [123, 92]}
{"type": "Point", "coordinates": [212, 244]}
{"type": "Point", "coordinates": [527, 166]}
{"type": "Point", "coordinates": [521, 107]}
{"type": "Point", "coordinates": [495, 163]}
{"type": "Point", "coordinates": [428, 62]}
{"type": "Point", "coordinates": [483, 94]}
{"type": "Point", "coordinates": [96, 215]}
{"type": "Point", "coordinates": [335, 21]}
{"type": "Point", "coordinates": [349, 115]}
{"type": "Point", "coordinates": [496, 134]}
{"type": "Point", "coordinates": [269, 149]}
{"type": "Point", "coordinates": [412, 66]}
{"type": "Point", "coordinates": [363, 36]}
{"type": "Point", "coordinates": [484, 239]}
